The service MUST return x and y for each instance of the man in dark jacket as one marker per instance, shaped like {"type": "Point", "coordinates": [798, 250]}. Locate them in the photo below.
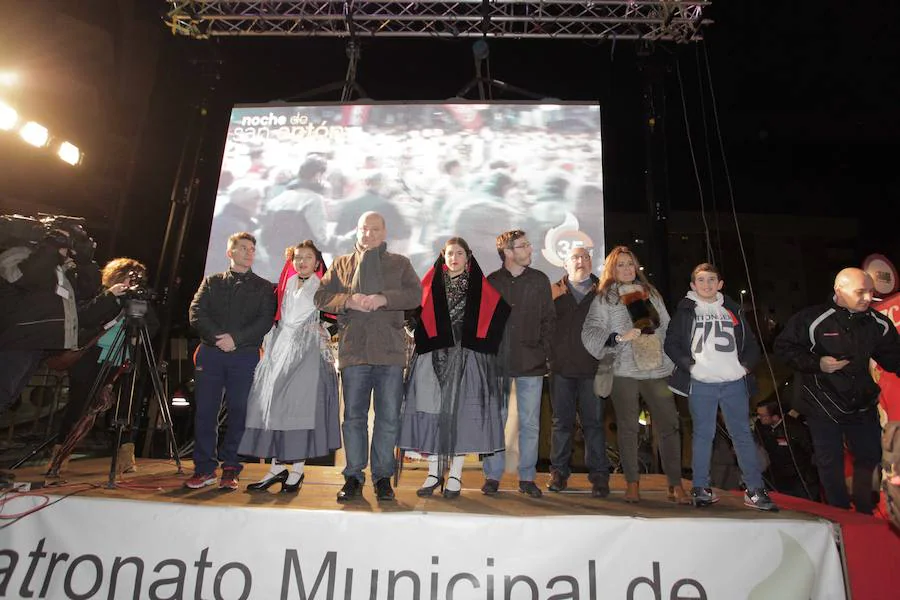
{"type": "Point", "coordinates": [829, 346]}
{"type": "Point", "coordinates": [572, 369]}
{"type": "Point", "coordinates": [231, 311]}
{"type": "Point", "coordinates": [786, 440]}
{"type": "Point", "coordinates": [47, 302]}
{"type": "Point", "coordinates": [523, 354]}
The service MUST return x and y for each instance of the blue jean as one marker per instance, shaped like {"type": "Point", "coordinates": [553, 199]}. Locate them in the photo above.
{"type": "Point", "coordinates": [358, 383]}
{"type": "Point", "coordinates": [734, 399]}
{"type": "Point", "coordinates": [528, 403]}
{"type": "Point", "coordinates": [567, 394]}
{"type": "Point", "coordinates": [218, 372]}
{"type": "Point", "coordinates": [863, 435]}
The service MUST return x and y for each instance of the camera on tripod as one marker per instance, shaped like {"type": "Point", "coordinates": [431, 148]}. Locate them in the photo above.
{"type": "Point", "coordinates": [139, 295]}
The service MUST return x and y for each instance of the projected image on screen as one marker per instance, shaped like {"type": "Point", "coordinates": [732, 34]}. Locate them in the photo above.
{"type": "Point", "coordinates": [432, 170]}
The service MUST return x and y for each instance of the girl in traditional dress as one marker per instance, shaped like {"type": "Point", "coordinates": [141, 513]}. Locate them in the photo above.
{"type": "Point", "coordinates": [629, 319]}
{"type": "Point", "coordinates": [453, 392]}
{"type": "Point", "coordinates": [292, 410]}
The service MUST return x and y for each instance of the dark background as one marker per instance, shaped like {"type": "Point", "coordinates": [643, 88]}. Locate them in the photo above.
{"type": "Point", "coordinates": [806, 102]}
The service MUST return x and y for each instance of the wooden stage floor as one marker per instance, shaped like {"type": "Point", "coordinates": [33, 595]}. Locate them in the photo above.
{"type": "Point", "coordinates": [157, 481]}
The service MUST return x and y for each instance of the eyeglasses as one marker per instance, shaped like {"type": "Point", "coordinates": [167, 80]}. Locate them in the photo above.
{"type": "Point", "coordinates": [525, 245]}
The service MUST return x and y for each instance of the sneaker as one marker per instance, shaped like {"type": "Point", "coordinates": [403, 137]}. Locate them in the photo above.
{"type": "Point", "coordinates": [703, 497]}
{"type": "Point", "coordinates": [530, 489]}
{"type": "Point", "coordinates": [490, 487]}
{"type": "Point", "coordinates": [229, 481]}
{"type": "Point", "coordinates": [557, 482]}
{"type": "Point", "coordinates": [200, 480]}
{"type": "Point", "coordinates": [383, 489]}
{"type": "Point", "coordinates": [759, 499]}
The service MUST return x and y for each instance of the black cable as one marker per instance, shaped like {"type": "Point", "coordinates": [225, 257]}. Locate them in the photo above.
{"type": "Point", "coordinates": [687, 129]}
{"type": "Point", "coordinates": [709, 163]}
{"type": "Point", "coordinates": [737, 228]}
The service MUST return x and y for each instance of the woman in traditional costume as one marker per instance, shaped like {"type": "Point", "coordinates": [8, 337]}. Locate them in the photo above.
{"type": "Point", "coordinates": [454, 391]}
{"type": "Point", "coordinates": [292, 409]}
{"type": "Point", "coordinates": [629, 319]}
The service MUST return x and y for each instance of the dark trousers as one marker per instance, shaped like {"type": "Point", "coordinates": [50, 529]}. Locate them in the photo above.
{"type": "Point", "coordinates": [218, 372]}
{"type": "Point", "coordinates": [16, 368]}
{"type": "Point", "coordinates": [569, 394]}
{"type": "Point", "coordinates": [863, 435]}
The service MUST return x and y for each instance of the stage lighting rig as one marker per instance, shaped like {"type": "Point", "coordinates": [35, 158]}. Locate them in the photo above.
{"type": "Point", "coordinates": [8, 117]}
{"type": "Point", "coordinates": [35, 134]}
{"type": "Point", "coordinates": [69, 153]}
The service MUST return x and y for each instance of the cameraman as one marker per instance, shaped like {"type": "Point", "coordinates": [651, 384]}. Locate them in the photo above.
{"type": "Point", "coordinates": [99, 350]}
{"type": "Point", "coordinates": [48, 292]}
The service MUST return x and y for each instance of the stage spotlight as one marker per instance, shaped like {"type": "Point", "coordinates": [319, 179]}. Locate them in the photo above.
{"type": "Point", "coordinates": [8, 117]}
{"type": "Point", "coordinates": [181, 397]}
{"type": "Point", "coordinates": [69, 153]}
{"type": "Point", "coordinates": [35, 134]}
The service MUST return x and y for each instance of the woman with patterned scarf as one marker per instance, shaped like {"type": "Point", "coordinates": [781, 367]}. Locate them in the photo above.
{"type": "Point", "coordinates": [292, 409]}
{"type": "Point", "coordinates": [453, 392]}
{"type": "Point", "coordinates": [629, 319]}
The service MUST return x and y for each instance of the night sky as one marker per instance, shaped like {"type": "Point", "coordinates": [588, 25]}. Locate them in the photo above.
{"type": "Point", "coordinates": [806, 101]}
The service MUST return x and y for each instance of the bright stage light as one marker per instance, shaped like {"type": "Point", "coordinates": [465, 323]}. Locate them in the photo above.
{"type": "Point", "coordinates": [179, 398]}
{"type": "Point", "coordinates": [35, 134]}
{"type": "Point", "coordinates": [9, 78]}
{"type": "Point", "coordinates": [8, 117]}
{"type": "Point", "coordinates": [69, 153]}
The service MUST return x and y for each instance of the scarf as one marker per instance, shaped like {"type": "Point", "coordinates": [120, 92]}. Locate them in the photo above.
{"type": "Point", "coordinates": [485, 314]}
{"type": "Point", "coordinates": [642, 312]}
{"type": "Point", "coordinates": [368, 278]}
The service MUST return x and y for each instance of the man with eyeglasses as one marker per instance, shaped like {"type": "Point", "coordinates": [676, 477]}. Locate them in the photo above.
{"type": "Point", "coordinates": [523, 354]}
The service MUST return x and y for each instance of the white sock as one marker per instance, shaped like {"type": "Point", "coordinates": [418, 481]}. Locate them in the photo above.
{"type": "Point", "coordinates": [274, 469]}
{"type": "Point", "coordinates": [454, 482]}
{"type": "Point", "coordinates": [433, 476]}
{"type": "Point", "coordinates": [296, 473]}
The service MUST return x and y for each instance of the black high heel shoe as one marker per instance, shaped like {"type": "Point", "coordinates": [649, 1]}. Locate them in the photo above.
{"type": "Point", "coordinates": [292, 488]}
{"type": "Point", "coordinates": [267, 483]}
{"type": "Point", "coordinates": [428, 490]}
{"type": "Point", "coordinates": [451, 494]}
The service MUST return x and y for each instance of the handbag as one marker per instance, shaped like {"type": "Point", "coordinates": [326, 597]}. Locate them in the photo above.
{"type": "Point", "coordinates": [647, 351]}
{"type": "Point", "coordinates": [603, 379]}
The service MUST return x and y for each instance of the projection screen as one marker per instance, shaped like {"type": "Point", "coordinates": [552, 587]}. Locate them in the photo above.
{"type": "Point", "coordinates": [295, 172]}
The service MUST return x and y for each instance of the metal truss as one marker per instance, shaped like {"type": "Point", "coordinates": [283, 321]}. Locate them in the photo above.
{"type": "Point", "coordinates": [651, 20]}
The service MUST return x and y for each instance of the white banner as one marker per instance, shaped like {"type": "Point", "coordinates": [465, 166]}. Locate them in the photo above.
{"type": "Point", "coordinates": [94, 548]}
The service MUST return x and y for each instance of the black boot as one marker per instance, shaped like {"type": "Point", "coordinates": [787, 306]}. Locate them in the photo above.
{"type": "Point", "coordinates": [352, 488]}
{"type": "Point", "coordinates": [383, 489]}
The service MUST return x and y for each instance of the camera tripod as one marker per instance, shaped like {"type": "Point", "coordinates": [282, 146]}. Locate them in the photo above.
{"type": "Point", "coordinates": [132, 348]}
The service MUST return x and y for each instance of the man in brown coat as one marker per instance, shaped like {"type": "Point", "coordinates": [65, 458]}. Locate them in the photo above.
{"type": "Point", "coordinates": [369, 290]}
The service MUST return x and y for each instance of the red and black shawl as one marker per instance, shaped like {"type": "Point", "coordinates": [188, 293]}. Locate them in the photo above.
{"type": "Point", "coordinates": [484, 319]}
